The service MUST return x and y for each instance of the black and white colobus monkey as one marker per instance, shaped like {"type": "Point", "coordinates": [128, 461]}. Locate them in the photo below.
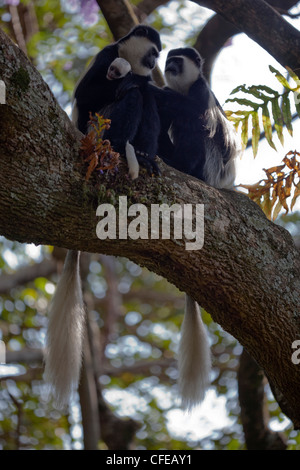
{"type": "Point", "coordinates": [196, 138]}
{"type": "Point", "coordinates": [133, 111]}
{"type": "Point", "coordinates": [135, 120]}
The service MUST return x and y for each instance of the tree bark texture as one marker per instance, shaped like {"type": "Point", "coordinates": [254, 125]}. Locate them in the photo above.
{"type": "Point", "coordinates": [246, 275]}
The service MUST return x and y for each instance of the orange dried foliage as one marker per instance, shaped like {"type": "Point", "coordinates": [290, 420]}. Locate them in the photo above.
{"type": "Point", "coordinates": [273, 192]}
{"type": "Point", "coordinates": [97, 152]}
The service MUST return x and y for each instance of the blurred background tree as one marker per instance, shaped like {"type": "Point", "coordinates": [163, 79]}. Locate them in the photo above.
{"type": "Point", "coordinates": [127, 396]}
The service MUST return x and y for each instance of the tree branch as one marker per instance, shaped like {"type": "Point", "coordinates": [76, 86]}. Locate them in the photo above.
{"type": "Point", "coordinates": [148, 6]}
{"type": "Point", "coordinates": [119, 15]}
{"type": "Point", "coordinates": [246, 275]}
{"type": "Point", "coordinates": [254, 413]}
{"type": "Point", "coordinates": [255, 18]}
{"type": "Point", "coordinates": [217, 31]}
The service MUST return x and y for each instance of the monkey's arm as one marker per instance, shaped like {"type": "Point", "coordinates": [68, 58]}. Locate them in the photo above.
{"type": "Point", "coordinates": [171, 103]}
{"type": "Point", "coordinates": [199, 96]}
{"type": "Point", "coordinates": [125, 116]}
{"type": "Point", "coordinates": [146, 138]}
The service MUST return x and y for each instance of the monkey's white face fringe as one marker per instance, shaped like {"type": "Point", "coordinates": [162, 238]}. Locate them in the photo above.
{"type": "Point", "coordinates": [133, 50]}
{"type": "Point", "coordinates": [182, 82]}
{"type": "Point", "coordinates": [194, 361]}
{"type": "Point", "coordinates": [65, 333]}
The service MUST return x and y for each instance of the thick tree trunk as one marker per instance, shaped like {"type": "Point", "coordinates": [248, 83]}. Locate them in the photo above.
{"type": "Point", "coordinates": [246, 275]}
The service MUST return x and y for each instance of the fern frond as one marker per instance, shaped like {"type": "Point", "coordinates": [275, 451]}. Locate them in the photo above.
{"type": "Point", "coordinates": [273, 107]}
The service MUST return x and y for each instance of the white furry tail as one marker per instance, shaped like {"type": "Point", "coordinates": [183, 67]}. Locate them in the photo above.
{"type": "Point", "coordinates": [132, 162]}
{"type": "Point", "coordinates": [65, 333]}
{"type": "Point", "coordinates": [194, 361]}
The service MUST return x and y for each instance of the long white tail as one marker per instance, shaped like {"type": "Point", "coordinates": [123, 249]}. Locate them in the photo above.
{"type": "Point", "coordinates": [194, 361]}
{"type": "Point", "coordinates": [65, 333]}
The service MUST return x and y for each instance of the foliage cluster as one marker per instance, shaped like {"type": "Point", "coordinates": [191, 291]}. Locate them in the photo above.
{"type": "Point", "coordinates": [283, 181]}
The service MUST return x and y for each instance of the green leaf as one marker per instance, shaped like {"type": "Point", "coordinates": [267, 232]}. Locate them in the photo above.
{"type": "Point", "coordinates": [294, 76]}
{"type": "Point", "coordinates": [286, 113]}
{"type": "Point", "coordinates": [255, 91]}
{"type": "Point", "coordinates": [238, 88]}
{"type": "Point", "coordinates": [278, 119]}
{"type": "Point", "coordinates": [255, 132]}
{"type": "Point", "coordinates": [267, 126]}
{"type": "Point", "coordinates": [281, 78]}
{"type": "Point", "coordinates": [241, 112]}
{"type": "Point", "coordinates": [243, 101]}
{"type": "Point", "coordinates": [297, 102]}
{"type": "Point", "coordinates": [244, 134]}
{"type": "Point", "coordinates": [267, 89]}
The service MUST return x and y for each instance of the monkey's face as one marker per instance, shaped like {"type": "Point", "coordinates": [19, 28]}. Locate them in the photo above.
{"type": "Point", "coordinates": [141, 53]}
{"type": "Point", "coordinates": [118, 69]}
{"type": "Point", "coordinates": [174, 66]}
{"type": "Point", "coordinates": [113, 73]}
{"type": "Point", "coordinates": [181, 72]}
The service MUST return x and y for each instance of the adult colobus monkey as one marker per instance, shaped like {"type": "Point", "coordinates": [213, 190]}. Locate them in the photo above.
{"type": "Point", "coordinates": [135, 120]}
{"type": "Point", "coordinates": [197, 139]}
{"type": "Point", "coordinates": [133, 111]}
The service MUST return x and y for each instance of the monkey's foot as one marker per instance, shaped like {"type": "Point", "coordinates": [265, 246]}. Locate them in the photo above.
{"type": "Point", "coordinates": [148, 163]}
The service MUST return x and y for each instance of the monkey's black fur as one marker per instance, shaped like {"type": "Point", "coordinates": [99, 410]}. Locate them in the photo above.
{"type": "Point", "coordinates": [180, 116]}
{"type": "Point", "coordinates": [129, 102]}
{"type": "Point", "coordinates": [134, 118]}
{"type": "Point", "coordinates": [187, 110]}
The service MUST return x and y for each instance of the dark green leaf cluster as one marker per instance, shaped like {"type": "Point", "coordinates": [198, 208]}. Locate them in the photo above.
{"type": "Point", "coordinates": [272, 110]}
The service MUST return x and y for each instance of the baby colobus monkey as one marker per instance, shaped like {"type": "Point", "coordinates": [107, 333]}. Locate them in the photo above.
{"type": "Point", "coordinates": [120, 68]}
{"type": "Point", "coordinates": [133, 114]}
